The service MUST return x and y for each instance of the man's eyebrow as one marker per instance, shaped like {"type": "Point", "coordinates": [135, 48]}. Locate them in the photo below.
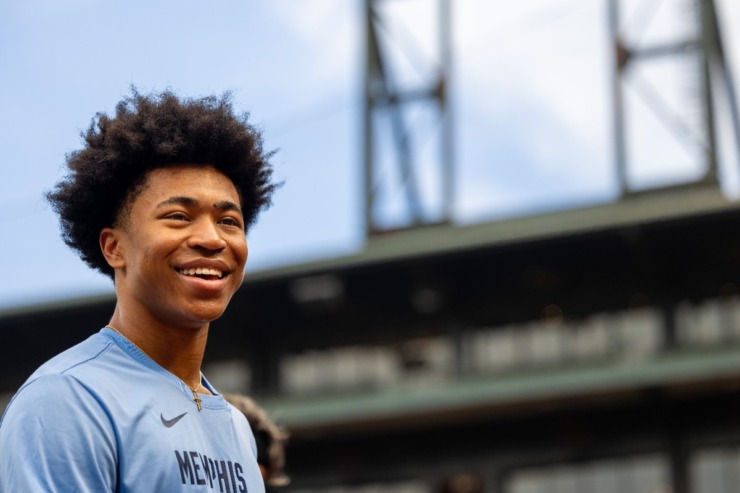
{"type": "Point", "coordinates": [178, 200]}
{"type": "Point", "coordinates": [224, 205]}
{"type": "Point", "coordinates": [227, 205]}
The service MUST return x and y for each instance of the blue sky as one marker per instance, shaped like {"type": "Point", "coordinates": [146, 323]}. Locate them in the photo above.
{"type": "Point", "coordinates": [530, 96]}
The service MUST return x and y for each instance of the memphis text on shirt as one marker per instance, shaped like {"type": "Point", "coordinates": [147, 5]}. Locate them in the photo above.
{"type": "Point", "coordinates": [224, 475]}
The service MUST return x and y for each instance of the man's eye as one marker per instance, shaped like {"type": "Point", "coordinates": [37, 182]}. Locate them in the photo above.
{"type": "Point", "coordinates": [177, 216]}
{"type": "Point", "coordinates": [230, 221]}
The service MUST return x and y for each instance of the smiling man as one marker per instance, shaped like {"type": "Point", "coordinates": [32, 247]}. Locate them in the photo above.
{"type": "Point", "coordinates": [160, 199]}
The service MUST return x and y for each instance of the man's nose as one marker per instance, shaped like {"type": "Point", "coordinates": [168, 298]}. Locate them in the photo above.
{"type": "Point", "coordinates": [205, 234]}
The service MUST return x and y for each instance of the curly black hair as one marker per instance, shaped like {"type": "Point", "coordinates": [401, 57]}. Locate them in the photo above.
{"type": "Point", "coordinates": [146, 133]}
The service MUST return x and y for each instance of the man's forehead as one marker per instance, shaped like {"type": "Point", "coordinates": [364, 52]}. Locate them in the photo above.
{"type": "Point", "coordinates": [174, 170]}
{"type": "Point", "coordinates": [183, 183]}
{"type": "Point", "coordinates": [188, 179]}
{"type": "Point", "coordinates": [188, 201]}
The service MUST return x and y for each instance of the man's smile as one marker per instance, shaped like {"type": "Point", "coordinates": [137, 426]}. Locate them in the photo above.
{"type": "Point", "coordinates": [203, 273]}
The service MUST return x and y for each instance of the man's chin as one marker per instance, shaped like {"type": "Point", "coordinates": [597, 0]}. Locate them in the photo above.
{"type": "Point", "coordinates": [205, 312]}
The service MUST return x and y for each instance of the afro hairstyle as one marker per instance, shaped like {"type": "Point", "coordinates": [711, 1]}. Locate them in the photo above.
{"type": "Point", "coordinates": [149, 132]}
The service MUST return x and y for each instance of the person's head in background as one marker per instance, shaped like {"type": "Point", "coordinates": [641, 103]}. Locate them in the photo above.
{"type": "Point", "coordinates": [270, 438]}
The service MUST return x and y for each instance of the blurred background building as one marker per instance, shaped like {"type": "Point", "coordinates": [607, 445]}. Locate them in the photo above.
{"type": "Point", "coordinates": [588, 349]}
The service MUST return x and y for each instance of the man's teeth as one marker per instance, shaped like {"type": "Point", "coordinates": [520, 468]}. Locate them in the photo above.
{"type": "Point", "coordinates": [202, 272]}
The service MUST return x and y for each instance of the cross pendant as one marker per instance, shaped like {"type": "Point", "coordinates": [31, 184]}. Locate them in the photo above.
{"type": "Point", "coordinates": [197, 400]}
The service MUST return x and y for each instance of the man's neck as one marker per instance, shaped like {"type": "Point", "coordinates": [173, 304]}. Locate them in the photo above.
{"type": "Point", "coordinates": [179, 350]}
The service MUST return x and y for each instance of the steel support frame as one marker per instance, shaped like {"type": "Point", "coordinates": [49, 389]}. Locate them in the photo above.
{"type": "Point", "coordinates": [385, 105]}
{"type": "Point", "coordinates": [715, 73]}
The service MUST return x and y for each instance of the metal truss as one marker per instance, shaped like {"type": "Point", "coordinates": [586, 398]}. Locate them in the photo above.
{"type": "Point", "coordinates": [704, 47]}
{"type": "Point", "coordinates": [406, 113]}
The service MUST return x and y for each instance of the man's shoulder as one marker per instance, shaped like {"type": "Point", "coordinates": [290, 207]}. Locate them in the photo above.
{"type": "Point", "coordinates": [58, 380]}
{"type": "Point", "coordinates": [76, 358]}
{"type": "Point", "coordinates": [72, 370]}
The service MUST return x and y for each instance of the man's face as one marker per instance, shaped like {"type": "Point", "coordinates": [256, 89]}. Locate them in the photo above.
{"type": "Point", "coordinates": [180, 250]}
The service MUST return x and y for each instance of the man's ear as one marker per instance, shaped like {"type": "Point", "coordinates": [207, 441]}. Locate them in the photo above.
{"type": "Point", "coordinates": [111, 246]}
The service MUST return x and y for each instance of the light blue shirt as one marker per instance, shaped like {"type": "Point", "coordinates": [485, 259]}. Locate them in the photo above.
{"type": "Point", "coordinates": [103, 417]}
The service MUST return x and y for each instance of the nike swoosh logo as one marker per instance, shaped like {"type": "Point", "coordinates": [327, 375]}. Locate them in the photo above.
{"type": "Point", "coordinates": [169, 423]}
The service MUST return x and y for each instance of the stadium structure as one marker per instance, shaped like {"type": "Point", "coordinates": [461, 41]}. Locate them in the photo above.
{"type": "Point", "coordinates": [587, 350]}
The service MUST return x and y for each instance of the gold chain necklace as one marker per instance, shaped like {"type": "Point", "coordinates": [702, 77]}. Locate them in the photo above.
{"type": "Point", "coordinates": [194, 390]}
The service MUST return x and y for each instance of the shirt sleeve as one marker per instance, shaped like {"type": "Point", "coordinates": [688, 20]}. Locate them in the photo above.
{"type": "Point", "coordinates": [56, 437]}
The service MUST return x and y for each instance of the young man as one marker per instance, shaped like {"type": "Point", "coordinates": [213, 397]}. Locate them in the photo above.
{"type": "Point", "coordinates": [160, 199]}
